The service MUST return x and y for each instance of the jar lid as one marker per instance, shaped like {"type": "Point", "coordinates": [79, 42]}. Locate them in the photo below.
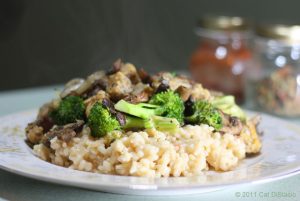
{"type": "Point", "coordinates": [287, 33]}
{"type": "Point", "coordinates": [224, 23]}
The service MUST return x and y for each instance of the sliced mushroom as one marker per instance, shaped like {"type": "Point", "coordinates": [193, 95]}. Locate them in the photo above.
{"type": "Point", "coordinates": [141, 93]}
{"type": "Point", "coordinates": [231, 124]}
{"type": "Point", "coordinates": [115, 68]}
{"type": "Point", "coordinates": [90, 81]}
{"type": "Point", "coordinates": [145, 77]}
{"type": "Point", "coordinates": [65, 133]}
{"type": "Point", "coordinates": [96, 87]}
{"type": "Point", "coordinates": [173, 81]}
{"type": "Point", "coordinates": [72, 86]}
{"type": "Point", "coordinates": [183, 92]}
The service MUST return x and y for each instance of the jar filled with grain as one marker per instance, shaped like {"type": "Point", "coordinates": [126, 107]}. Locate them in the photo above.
{"type": "Point", "coordinates": [275, 87]}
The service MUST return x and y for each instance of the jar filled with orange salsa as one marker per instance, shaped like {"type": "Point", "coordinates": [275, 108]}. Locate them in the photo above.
{"type": "Point", "coordinates": [223, 54]}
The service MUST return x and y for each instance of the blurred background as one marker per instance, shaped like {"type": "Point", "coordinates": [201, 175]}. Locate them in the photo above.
{"type": "Point", "coordinates": [49, 42]}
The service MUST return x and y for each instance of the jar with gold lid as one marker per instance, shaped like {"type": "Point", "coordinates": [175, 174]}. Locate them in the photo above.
{"type": "Point", "coordinates": [275, 86]}
{"type": "Point", "coordinates": [222, 54]}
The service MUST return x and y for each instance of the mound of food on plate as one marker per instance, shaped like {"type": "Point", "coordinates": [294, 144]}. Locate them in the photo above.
{"type": "Point", "coordinates": [127, 122]}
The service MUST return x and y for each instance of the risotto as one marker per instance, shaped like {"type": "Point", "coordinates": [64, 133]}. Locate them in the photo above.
{"type": "Point", "coordinates": [122, 131]}
{"type": "Point", "coordinates": [149, 153]}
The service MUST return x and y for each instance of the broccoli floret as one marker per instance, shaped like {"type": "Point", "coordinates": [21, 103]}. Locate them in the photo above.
{"type": "Point", "coordinates": [102, 122]}
{"type": "Point", "coordinates": [166, 104]}
{"type": "Point", "coordinates": [206, 113]}
{"type": "Point", "coordinates": [69, 110]}
{"type": "Point", "coordinates": [227, 105]}
{"type": "Point", "coordinates": [171, 105]}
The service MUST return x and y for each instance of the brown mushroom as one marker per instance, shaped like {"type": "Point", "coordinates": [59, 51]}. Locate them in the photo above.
{"type": "Point", "coordinates": [183, 92]}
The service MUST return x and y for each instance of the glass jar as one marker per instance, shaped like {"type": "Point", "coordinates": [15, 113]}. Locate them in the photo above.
{"type": "Point", "coordinates": [222, 54]}
{"type": "Point", "coordinates": [275, 86]}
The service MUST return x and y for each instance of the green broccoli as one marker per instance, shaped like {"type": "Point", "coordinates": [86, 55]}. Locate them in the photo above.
{"type": "Point", "coordinates": [164, 123]}
{"type": "Point", "coordinates": [69, 110]}
{"type": "Point", "coordinates": [102, 122]}
{"type": "Point", "coordinates": [206, 113]}
{"type": "Point", "coordinates": [227, 105]}
{"type": "Point", "coordinates": [165, 104]}
{"type": "Point", "coordinates": [160, 123]}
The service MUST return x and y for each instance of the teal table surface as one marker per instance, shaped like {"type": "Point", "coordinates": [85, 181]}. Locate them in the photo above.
{"type": "Point", "coordinates": [14, 187]}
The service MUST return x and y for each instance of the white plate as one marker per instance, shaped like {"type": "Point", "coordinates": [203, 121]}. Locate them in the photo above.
{"type": "Point", "coordinates": [279, 158]}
